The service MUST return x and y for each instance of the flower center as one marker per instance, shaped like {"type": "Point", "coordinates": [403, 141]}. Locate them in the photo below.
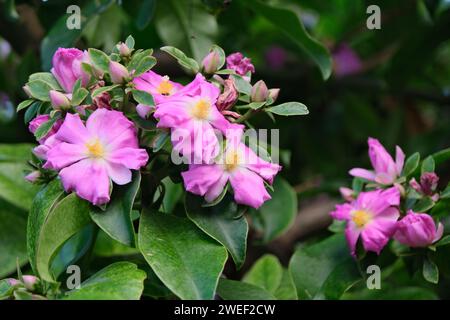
{"type": "Point", "coordinates": [201, 109]}
{"type": "Point", "coordinates": [361, 218]}
{"type": "Point", "coordinates": [95, 149]}
{"type": "Point", "coordinates": [231, 161]}
{"type": "Point", "coordinates": [165, 87]}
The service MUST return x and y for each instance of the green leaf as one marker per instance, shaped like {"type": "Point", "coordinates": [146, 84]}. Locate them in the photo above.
{"type": "Point", "coordinates": [430, 271]}
{"type": "Point", "coordinates": [242, 85]}
{"type": "Point", "coordinates": [143, 97]}
{"type": "Point", "coordinates": [137, 57]}
{"type": "Point", "coordinates": [13, 244]}
{"type": "Point", "coordinates": [286, 290]}
{"type": "Point", "coordinates": [99, 59]}
{"type": "Point", "coordinates": [411, 164]}
{"type": "Point", "coordinates": [441, 156]}
{"type": "Point", "coordinates": [32, 111]}
{"type": "Point", "coordinates": [101, 90]}
{"type": "Point", "coordinates": [46, 77]}
{"type": "Point", "coordinates": [266, 273]}
{"type": "Point", "coordinates": [289, 109]}
{"type": "Point", "coordinates": [78, 96]}
{"type": "Point", "coordinates": [235, 290]}
{"type": "Point", "coordinates": [182, 59]}
{"type": "Point", "coordinates": [115, 220]}
{"type": "Point", "coordinates": [130, 42]}
{"type": "Point", "coordinates": [20, 152]}
{"type": "Point", "coordinates": [40, 90]}
{"type": "Point", "coordinates": [186, 25]}
{"type": "Point", "coordinates": [24, 104]}
{"type": "Point", "coordinates": [118, 281]}
{"type": "Point", "coordinates": [173, 193]}
{"type": "Point", "coordinates": [428, 164]}
{"type": "Point", "coordinates": [277, 214]}
{"type": "Point", "coordinates": [424, 204]}
{"type": "Point", "coordinates": [443, 242]}
{"type": "Point", "coordinates": [289, 22]}
{"type": "Point", "coordinates": [224, 222]}
{"type": "Point", "coordinates": [313, 268]}
{"type": "Point", "coordinates": [444, 194]}
{"type": "Point", "coordinates": [185, 259]}
{"type": "Point", "coordinates": [6, 289]}
{"type": "Point", "coordinates": [45, 128]}
{"type": "Point", "coordinates": [146, 13]}
{"type": "Point", "coordinates": [144, 65]}
{"type": "Point", "coordinates": [51, 223]}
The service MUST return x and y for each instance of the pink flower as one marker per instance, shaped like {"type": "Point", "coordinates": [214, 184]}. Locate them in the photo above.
{"type": "Point", "coordinates": [428, 184]}
{"type": "Point", "coordinates": [242, 65]}
{"type": "Point", "coordinates": [67, 67]}
{"type": "Point", "coordinates": [160, 87]}
{"type": "Point", "coordinates": [346, 61]}
{"type": "Point", "coordinates": [373, 216]}
{"type": "Point", "coordinates": [418, 230]}
{"type": "Point", "coordinates": [238, 165]}
{"type": "Point", "coordinates": [386, 170]}
{"type": "Point", "coordinates": [90, 156]}
{"type": "Point", "coordinates": [193, 120]}
{"type": "Point", "coordinates": [40, 120]}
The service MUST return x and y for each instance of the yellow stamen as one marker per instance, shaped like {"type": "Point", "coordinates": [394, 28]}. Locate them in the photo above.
{"type": "Point", "coordinates": [95, 149]}
{"type": "Point", "coordinates": [361, 218]}
{"type": "Point", "coordinates": [231, 161]}
{"type": "Point", "coordinates": [165, 87]}
{"type": "Point", "coordinates": [201, 109]}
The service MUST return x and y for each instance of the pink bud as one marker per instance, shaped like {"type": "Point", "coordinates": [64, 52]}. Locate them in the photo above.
{"type": "Point", "coordinates": [119, 74]}
{"type": "Point", "coordinates": [418, 230]}
{"type": "Point", "coordinates": [242, 65]}
{"type": "Point", "coordinates": [37, 122]}
{"type": "Point", "coordinates": [210, 63]}
{"type": "Point", "coordinates": [415, 185]}
{"type": "Point", "coordinates": [429, 182]}
{"type": "Point", "coordinates": [123, 49]}
{"type": "Point", "coordinates": [67, 67]}
{"type": "Point", "coordinates": [259, 92]}
{"type": "Point", "coordinates": [13, 282]}
{"type": "Point", "coordinates": [273, 93]}
{"type": "Point", "coordinates": [347, 193]}
{"type": "Point", "coordinates": [30, 282]}
{"type": "Point", "coordinates": [59, 100]}
{"type": "Point", "coordinates": [33, 176]}
{"type": "Point", "coordinates": [229, 96]}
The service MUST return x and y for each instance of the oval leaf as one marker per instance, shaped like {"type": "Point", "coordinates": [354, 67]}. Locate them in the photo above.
{"type": "Point", "coordinates": [289, 109]}
{"type": "Point", "coordinates": [235, 290]}
{"type": "Point", "coordinates": [266, 273]}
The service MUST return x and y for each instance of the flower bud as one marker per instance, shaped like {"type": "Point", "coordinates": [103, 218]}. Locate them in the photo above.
{"type": "Point", "coordinates": [259, 92]}
{"type": "Point", "coordinates": [429, 182]}
{"type": "Point", "coordinates": [119, 74]}
{"type": "Point", "coordinates": [347, 193]}
{"type": "Point", "coordinates": [30, 282]}
{"type": "Point", "coordinates": [59, 100]}
{"type": "Point", "coordinates": [418, 230]}
{"type": "Point", "coordinates": [229, 96]}
{"type": "Point", "coordinates": [33, 176]}
{"type": "Point", "coordinates": [210, 63]}
{"type": "Point", "coordinates": [124, 50]}
{"type": "Point", "coordinates": [273, 94]}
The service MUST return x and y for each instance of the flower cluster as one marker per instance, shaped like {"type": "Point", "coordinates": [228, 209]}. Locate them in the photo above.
{"type": "Point", "coordinates": [84, 121]}
{"type": "Point", "coordinates": [390, 206]}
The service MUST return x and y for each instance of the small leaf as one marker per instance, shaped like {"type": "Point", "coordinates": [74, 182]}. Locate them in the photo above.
{"type": "Point", "coordinates": [411, 164]}
{"type": "Point", "coordinates": [45, 128]}
{"type": "Point", "coordinates": [32, 111]}
{"type": "Point", "coordinates": [137, 57]}
{"type": "Point", "coordinates": [46, 77]}
{"type": "Point", "coordinates": [118, 281]}
{"type": "Point", "coordinates": [130, 42]}
{"type": "Point", "coordinates": [24, 104]}
{"type": "Point", "coordinates": [235, 290]}
{"type": "Point", "coordinates": [182, 59]}
{"type": "Point", "coordinates": [144, 65]}
{"type": "Point", "coordinates": [286, 290]}
{"type": "Point", "coordinates": [242, 85]}
{"type": "Point", "coordinates": [101, 90]}
{"type": "Point", "coordinates": [99, 59]}
{"type": "Point", "coordinates": [143, 97]}
{"type": "Point", "coordinates": [428, 164]}
{"type": "Point", "coordinates": [185, 259]}
{"type": "Point", "coordinates": [446, 193]}
{"type": "Point", "coordinates": [430, 271]}
{"type": "Point", "coordinates": [443, 242]}
{"type": "Point", "coordinates": [424, 204]}
{"type": "Point", "coordinates": [40, 90]}
{"type": "Point", "coordinates": [289, 109]}
{"type": "Point", "coordinates": [266, 273]}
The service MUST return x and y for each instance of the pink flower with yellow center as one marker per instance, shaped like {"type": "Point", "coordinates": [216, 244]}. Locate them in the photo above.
{"type": "Point", "coordinates": [90, 155]}
{"type": "Point", "coordinates": [195, 122]}
{"type": "Point", "coordinates": [239, 166]}
{"type": "Point", "coordinates": [372, 216]}
{"type": "Point", "coordinates": [386, 170]}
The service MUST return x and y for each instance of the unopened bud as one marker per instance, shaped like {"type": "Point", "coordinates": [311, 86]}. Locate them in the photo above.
{"type": "Point", "coordinates": [124, 50]}
{"type": "Point", "coordinates": [33, 176]}
{"type": "Point", "coordinates": [210, 63]}
{"type": "Point", "coordinates": [119, 74]}
{"type": "Point", "coordinates": [273, 94]}
{"type": "Point", "coordinates": [30, 282]}
{"type": "Point", "coordinates": [259, 92]}
{"type": "Point", "coordinates": [59, 100]}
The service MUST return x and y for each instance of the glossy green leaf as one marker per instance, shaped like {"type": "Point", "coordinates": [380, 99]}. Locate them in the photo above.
{"type": "Point", "coordinates": [182, 59]}
{"type": "Point", "coordinates": [236, 290]}
{"type": "Point", "coordinates": [424, 204]}
{"type": "Point", "coordinates": [266, 273]}
{"type": "Point", "coordinates": [313, 268]}
{"type": "Point", "coordinates": [289, 109]}
{"type": "Point", "coordinates": [185, 259]}
{"type": "Point", "coordinates": [39, 90]}
{"type": "Point", "coordinates": [118, 281]}
{"type": "Point", "coordinates": [143, 97]}
{"type": "Point", "coordinates": [242, 85]}
{"type": "Point", "coordinates": [428, 164]}
{"type": "Point", "coordinates": [411, 164]}
{"type": "Point", "coordinates": [101, 90]}
{"type": "Point", "coordinates": [99, 59]}
{"type": "Point", "coordinates": [441, 156]}
{"type": "Point", "coordinates": [115, 220]}
{"type": "Point", "coordinates": [224, 222]}
{"type": "Point", "coordinates": [144, 65]}
{"type": "Point", "coordinates": [24, 104]}
{"type": "Point", "coordinates": [78, 96]}
{"type": "Point", "coordinates": [45, 128]}
{"type": "Point", "coordinates": [289, 22]}
{"type": "Point", "coordinates": [278, 214]}
{"type": "Point", "coordinates": [46, 77]}
{"type": "Point", "coordinates": [430, 271]}
{"type": "Point", "coordinates": [286, 290]}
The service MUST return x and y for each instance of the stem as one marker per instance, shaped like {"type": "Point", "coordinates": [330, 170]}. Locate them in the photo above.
{"type": "Point", "coordinates": [246, 116]}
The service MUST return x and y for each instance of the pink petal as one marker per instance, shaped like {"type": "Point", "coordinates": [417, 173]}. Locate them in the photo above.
{"type": "Point", "coordinates": [216, 189]}
{"type": "Point", "coordinates": [89, 179]}
{"type": "Point", "coordinates": [263, 168]}
{"type": "Point", "coordinates": [352, 234]}
{"type": "Point", "coordinates": [73, 130]}
{"type": "Point", "coordinates": [362, 173]}
{"type": "Point", "coordinates": [200, 179]}
{"type": "Point", "coordinates": [439, 232]}
{"type": "Point", "coordinates": [342, 211]}
{"type": "Point", "coordinates": [118, 173]}
{"type": "Point", "coordinates": [64, 154]}
{"type": "Point", "coordinates": [399, 160]}
{"type": "Point", "coordinates": [130, 158]}
{"type": "Point", "coordinates": [248, 188]}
